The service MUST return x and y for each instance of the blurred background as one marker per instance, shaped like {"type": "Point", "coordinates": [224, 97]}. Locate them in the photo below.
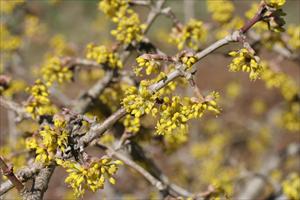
{"type": "Point", "coordinates": [227, 150]}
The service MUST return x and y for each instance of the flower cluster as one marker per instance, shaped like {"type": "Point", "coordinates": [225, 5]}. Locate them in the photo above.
{"type": "Point", "coordinates": [175, 112]}
{"type": "Point", "coordinates": [150, 65]}
{"type": "Point", "coordinates": [60, 46]}
{"type": "Point", "coordinates": [291, 117]}
{"type": "Point", "coordinates": [139, 102]}
{"type": "Point", "coordinates": [6, 151]}
{"type": "Point", "coordinates": [112, 7]}
{"type": "Point", "coordinates": [188, 59]}
{"type": "Point", "coordinates": [103, 56]}
{"type": "Point", "coordinates": [176, 139]}
{"type": "Point", "coordinates": [112, 95]}
{"type": "Point", "coordinates": [190, 35]}
{"type": "Point", "coordinates": [8, 42]}
{"type": "Point", "coordinates": [91, 176]}
{"type": "Point", "coordinates": [294, 39]}
{"type": "Point", "coordinates": [53, 70]}
{"type": "Point", "coordinates": [291, 187]}
{"type": "Point", "coordinates": [39, 103]}
{"type": "Point", "coordinates": [33, 26]}
{"type": "Point", "coordinates": [131, 123]}
{"type": "Point", "coordinates": [129, 27]}
{"type": "Point", "coordinates": [244, 60]}
{"type": "Point", "coordinates": [49, 140]}
{"type": "Point", "coordinates": [280, 80]}
{"type": "Point", "coordinates": [7, 7]}
{"type": "Point", "coordinates": [275, 3]}
{"type": "Point", "coordinates": [222, 11]}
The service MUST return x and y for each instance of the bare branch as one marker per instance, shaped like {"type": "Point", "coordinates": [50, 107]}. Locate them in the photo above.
{"type": "Point", "coordinates": [256, 184]}
{"type": "Point", "coordinates": [82, 104]}
{"type": "Point", "coordinates": [8, 172]}
{"type": "Point", "coordinates": [40, 184]}
{"type": "Point", "coordinates": [15, 107]}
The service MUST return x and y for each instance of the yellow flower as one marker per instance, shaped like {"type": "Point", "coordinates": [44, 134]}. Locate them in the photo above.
{"type": "Point", "coordinates": [129, 28]}
{"type": "Point", "coordinates": [150, 65]}
{"type": "Point", "coordinates": [7, 7]}
{"type": "Point", "coordinates": [291, 186]}
{"type": "Point", "coordinates": [8, 42]}
{"type": "Point", "coordinates": [103, 56]}
{"type": "Point", "coordinates": [244, 60]}
{"type": "Point", "coordinates": [221, 10]}
{"type": "Point", "coordinates": [39, 104]}
{"type": "Point", "coordinates": [294, 39]}
{"type": "Point", "coordinates": [190, 35]}
{"type": "Point", "coordinates": [112, 7]}
{"type": "Point", "coordinates": [90, 177]}
{"type": "Point", "coordinates": [275, 3]}
{"type": "Point", "coordinates": [188, 59]}
{"type": "Point", "coordinates": [49, 140]}
{"type": "Point", "coordinates": [53, 71]}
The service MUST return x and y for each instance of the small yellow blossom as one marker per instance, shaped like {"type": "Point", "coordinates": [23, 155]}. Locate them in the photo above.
{"type": "Point", "coordinates": [103, 56]}
{"type": "Point", "coordinates": [291, 187]}
{"type": "Point", "coordinates": [90, 177]}
{"type": "Point", "coordinates": [49, 140]}
{"type": "Point", "coordinates": [8, 42]}
{"type": "Point", "coordinates": [129, 28]}
{"type": "Point", "coordinates": [112, 7]}
{"type": "Point", "coordinates": [53, 71]}
{"type": "Point", "coordinates": [294, 37]}
{"type": "Point", "coordinates": [275, 3]}
{"type": "Point", "coordinates": [190, 35]}
{"type": "Point", "coordinates": [39, 104]}
{"type": "Point", "coordinates": [244, 60]}
{"type": "Point", "coordinates": [7, 7]}
{"type": "Point", "coordinates": [150, 65]}
{"type": "Point", "coordinates": [222, 11]}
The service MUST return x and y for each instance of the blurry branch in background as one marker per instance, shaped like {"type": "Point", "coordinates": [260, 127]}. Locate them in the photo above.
{"type": "Point", "coordinates": [281, 50]}
{"type": "Point", "coordinates": [255, 185]}
{"type": "Point", "coordinates": [189, 10]}
{"type": "Point", "coordinates": [15, 107]}
{"type": "Point", "coordinates": [166, 188]}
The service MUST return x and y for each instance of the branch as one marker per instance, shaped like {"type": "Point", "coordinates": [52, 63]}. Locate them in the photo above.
{"type": "Point", "coordinates": [82, 104]}
{"type": "Point", "coordinates": [24, 174]}
{"type": "Point", "coordinates": [40, 184]}
{"type": "Point", "coordinates": [164, 188]}
{"type": "Point", "coordinates": [257, 17]}
{"type": "Point", "coordinates": [153, 14]}
{"type": "Point", "coordinates": [255, 185]}
{"type": "Point", "coordinates": [99, 129]}
{"type": "Point", "coordinates": [15, 107]}
{"type": "Point", "coordinates": [8, 172]}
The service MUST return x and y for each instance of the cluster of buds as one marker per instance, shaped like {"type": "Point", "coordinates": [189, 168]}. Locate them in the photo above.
{"type": "Point", "coordinates": [244, 60]}
{"type": "Point", "coordinates": [90, 176]}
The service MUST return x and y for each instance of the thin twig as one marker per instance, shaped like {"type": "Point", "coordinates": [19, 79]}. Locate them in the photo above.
{"type": "Point", "coordinates": [82, 104]}
{"type": "Point", "coordinates": [8, 172]}
{"type": "Point", "coordinates": [165, 188]}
